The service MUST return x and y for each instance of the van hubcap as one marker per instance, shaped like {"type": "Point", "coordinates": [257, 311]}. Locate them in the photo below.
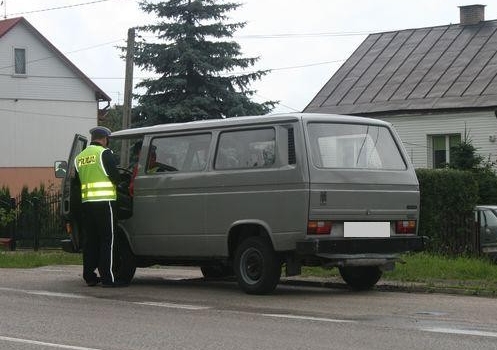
{"type": "Point", "coordinates": [251, 265]}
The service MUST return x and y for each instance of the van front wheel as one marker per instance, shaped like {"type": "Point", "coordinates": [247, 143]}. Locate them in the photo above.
{"type": "Point", "coordinates": [124, 261]}
{"type": "Point", "coordinates": [257, 267]}
{"type": "Point", "coordinates": [361, 277]}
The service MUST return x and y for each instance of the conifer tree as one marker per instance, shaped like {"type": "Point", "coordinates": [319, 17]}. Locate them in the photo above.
{"type": "Point", "coordinates": [194, 63]}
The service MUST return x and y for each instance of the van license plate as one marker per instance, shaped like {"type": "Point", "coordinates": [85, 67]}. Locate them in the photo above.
{"type": "Point", "coordinates": [366, 229]}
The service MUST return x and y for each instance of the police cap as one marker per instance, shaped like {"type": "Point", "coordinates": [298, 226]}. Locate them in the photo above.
{"type": "Point", "coordinates": [99, 132]}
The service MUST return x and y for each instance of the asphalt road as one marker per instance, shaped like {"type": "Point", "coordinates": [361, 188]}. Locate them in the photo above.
{"type": "Point", "coordinates": [51, 308]}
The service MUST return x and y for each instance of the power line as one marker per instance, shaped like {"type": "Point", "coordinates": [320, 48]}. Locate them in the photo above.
{"type": "Point", "coordinates": [57, 8]}
{"type": "Point", "coordinates": [94, 46]}
{"type": "Point", "coordinates": [151, 77]}
{"type": "Point", "coordinates": [45, 114]}
{"type": "Point", "coordinates": [292, 35]}
{"type": "Point", "coordinates": [67, 53]}
{"type": "Point", "coordinates": [307, 65]}
{"type": "Point", "coordinates": [299, 35]}
{"type": "Point", "coordinates": [279, 103]}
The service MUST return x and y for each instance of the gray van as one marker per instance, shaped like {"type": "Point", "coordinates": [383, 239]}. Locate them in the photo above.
{"type": "Point", "coordinates": [247, 196]}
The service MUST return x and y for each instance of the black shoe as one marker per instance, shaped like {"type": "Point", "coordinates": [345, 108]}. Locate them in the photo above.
{"type": "Point", "coordinates": [93, 283]}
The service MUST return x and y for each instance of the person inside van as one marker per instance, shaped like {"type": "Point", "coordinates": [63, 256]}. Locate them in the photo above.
{"type": "Point", "coordinates": [133, 164]}
{"type": "Point", "coordinates": [135, 155]}
{"type": "Point", "coordinates": [153, 166]}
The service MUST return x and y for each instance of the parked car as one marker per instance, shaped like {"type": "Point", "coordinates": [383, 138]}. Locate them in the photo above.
{"type": "Point", "coordinates": [486, 220]}
{"type": "Point", "coordinates": [248, 195]}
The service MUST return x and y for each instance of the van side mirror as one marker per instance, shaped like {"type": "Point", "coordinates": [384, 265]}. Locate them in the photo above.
{"type": "Point", "coordinates": [60, 169]}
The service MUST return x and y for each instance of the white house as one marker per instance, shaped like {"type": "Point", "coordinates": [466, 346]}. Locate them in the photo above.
{"type": "Point", "coordinates": [44, 100]}
{"type": "Point", "coordinates": [435, 85]}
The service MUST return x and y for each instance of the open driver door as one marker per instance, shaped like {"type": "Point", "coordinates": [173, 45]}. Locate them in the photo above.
{"type": "Point", "coordinates": [71, 197]}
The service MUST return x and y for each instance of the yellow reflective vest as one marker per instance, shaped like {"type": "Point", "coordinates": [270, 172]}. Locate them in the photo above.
{"type": "Point", "coordinates": [95, 183]}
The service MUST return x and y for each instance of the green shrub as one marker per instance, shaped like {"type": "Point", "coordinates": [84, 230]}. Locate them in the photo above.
{"type": "Point", "coordinates": [448, 198]}
{"type": "Point", "coordinates": [487, 186]}
{"type": "Point", "coordinates": [7, 214]}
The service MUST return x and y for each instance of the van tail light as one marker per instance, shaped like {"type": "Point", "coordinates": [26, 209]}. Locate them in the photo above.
{"type": "Point", "coordinates": [406, 226]}
{"type": "Point", "coordinates": [319, 227]}
{"type": "Point", "coordinates": [132, 182]}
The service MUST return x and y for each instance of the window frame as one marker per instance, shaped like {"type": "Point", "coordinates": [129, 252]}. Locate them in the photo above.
{"type": "Point", "coordinates": [14, 60]}
{"type": "Point", "coordinates": [447, 144]}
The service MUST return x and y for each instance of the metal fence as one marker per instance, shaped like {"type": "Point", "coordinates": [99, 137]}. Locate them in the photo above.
{"type": "Point", "coordinates": [37, 222]}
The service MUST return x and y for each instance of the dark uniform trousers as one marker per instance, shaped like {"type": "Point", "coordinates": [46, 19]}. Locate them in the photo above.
{"type": "Point", "coordinates": [98, 224]}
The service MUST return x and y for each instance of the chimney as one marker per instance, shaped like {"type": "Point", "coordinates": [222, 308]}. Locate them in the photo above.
{"type": "Point", "coordinates": [472, 14]}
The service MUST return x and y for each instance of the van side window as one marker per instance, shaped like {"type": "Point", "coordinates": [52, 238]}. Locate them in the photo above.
{"type": "Point", "coordinates": [186, 153]}
{"type": "Point", "coordinates": [246, 149]}
{"type": "Point", "coordinates": [488, 219]}
{"type": "Point", "coordinates": [354, 146]}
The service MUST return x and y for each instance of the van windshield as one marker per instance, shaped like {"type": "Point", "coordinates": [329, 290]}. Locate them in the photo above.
{"type": "Point", "coordinates": [354, 146]}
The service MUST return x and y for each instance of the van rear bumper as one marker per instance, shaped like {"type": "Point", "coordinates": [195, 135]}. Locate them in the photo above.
{"type": "Point", "coordinates": [352, 246]}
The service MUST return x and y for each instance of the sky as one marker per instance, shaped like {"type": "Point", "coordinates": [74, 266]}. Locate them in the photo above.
{"type": "Point", "coordinates": [303, 43]}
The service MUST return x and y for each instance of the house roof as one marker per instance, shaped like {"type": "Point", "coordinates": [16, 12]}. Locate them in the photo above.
{"type": "Point", "coordinates": [449, 67]}
{"type": "Point", "coordinates": [7, 25]}
{"type": "Point", "coordinates": [10, 23]}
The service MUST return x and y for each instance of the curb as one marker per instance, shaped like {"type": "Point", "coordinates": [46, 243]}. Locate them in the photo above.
{"type": "Point", "coordinates": [393, 286]}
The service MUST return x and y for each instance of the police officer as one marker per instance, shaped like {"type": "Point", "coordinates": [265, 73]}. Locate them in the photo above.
{"type": "Point", "coordinates": [98, 177]}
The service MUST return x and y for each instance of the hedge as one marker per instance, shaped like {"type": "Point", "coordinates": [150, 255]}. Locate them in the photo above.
{"type": "Point", "coordinates": [448, 198]}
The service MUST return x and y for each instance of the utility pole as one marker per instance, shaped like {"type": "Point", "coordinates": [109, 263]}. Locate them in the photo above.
{"type": "Point", "coordinates": [128, 94]}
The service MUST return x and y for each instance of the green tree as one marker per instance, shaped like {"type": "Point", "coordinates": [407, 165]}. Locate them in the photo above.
{"type": "Point", "coordinates": [464, 156]}
{"type": "Point", "coordinates": [194, 66]}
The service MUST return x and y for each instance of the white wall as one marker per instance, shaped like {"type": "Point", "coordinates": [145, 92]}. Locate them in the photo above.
{"type": "Point", "coordinates": [40, 113]}
{"type": "Point", "coordinates": [414, 130]}
{"type": "Point", "coordinates": [36, 133]}
{"type": "Point", "coordinates": [47, 76]}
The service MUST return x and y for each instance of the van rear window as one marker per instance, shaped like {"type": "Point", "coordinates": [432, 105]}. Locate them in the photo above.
{"type": "Point", "coordinates": [354, 146]}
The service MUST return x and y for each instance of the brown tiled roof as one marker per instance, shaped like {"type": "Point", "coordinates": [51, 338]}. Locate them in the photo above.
{"type": "Point", "coordinates": [434, 68]}
{"type": "Point", "coordinates": [8, 24]}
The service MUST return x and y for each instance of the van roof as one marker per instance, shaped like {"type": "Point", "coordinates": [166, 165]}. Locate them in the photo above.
{"type": "Point", "coordinates": [242, 121]}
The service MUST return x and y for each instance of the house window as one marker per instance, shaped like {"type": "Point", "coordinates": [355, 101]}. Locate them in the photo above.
{"type": "Point", "coordinates": [19, 61]}
{"type": "Point", "coordinates": [443, 148]}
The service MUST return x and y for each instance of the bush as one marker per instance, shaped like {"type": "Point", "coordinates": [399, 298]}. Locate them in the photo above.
{"type": "Point", "coordinates": [487, 186]}
{"type": "Point", "coordinates": [7, 214]}
{"type": "Point", "coordinates": [448, 198]}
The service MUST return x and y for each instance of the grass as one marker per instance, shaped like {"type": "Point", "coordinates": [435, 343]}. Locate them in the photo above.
{"type": "Point", "coordinates": [30, 259]}
{"type": "Point", "coordinates": [430, 269]}
{"type": "Point", "coordinates": [425, 267]}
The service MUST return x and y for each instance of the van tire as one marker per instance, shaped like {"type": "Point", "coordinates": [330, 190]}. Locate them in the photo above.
{"type": "Point", "coordinates": [257, 267]}
{"type": "Point", "coordinates": [361, 277]}
{"type": "Point", "coordinates": [124, 261]}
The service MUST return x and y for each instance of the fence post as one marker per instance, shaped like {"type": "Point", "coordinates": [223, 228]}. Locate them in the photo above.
{"type": "Point", "coordinates": [36, 228]}
{"type": "Point", "coordinates": [12, 225]}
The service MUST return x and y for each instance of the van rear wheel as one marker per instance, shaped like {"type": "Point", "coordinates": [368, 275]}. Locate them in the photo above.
{"type": "Point", "coordinates": [257, 267]}
{"type": "Point", "coordinates": [361, 277]}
